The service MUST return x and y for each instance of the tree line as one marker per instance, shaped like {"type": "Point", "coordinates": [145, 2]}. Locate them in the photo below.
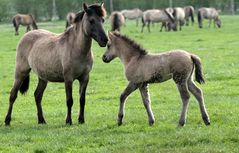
{"type": "Point", "coordinates": [43, 9]}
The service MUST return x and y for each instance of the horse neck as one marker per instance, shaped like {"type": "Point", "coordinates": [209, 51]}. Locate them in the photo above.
{"type": "Point", "coordinates": [127, 52]}
{"type": "Point", "coordinates": [81, 42]}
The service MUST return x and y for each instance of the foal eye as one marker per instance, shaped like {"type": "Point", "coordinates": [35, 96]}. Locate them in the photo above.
{"type": "Point", "coordinates": [108, 46]}
{"type": "Point", "coordinates": [92, 21]}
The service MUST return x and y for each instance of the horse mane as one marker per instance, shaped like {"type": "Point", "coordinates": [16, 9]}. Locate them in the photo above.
{"type": "Point", "coordinates": [132, 43]}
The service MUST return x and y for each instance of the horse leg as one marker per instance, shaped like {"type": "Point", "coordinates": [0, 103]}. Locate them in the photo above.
{"type": "Point", "coordinates": [163, 25]}
{"type": "Point", "coordinates": [148, 26]}
{"type": "Point", "coordinates": [69, 100]}
{"type": "Point", "coordinates": [28, 28]}
{"type": "Point", "coordinates": [38, 98]}
{"type": "Point", "coordinates": [197, 92]}
{"type": "Point", "coordinates": [128, 90]}
{"type": "Point", "coordinates": [209, 23]}
{"type": "Point", "coordinates": [82, 91]}
{"type": "Point", "coordinates": [147, 103]}
{"type": "Point", "coordinates": [13, 96]}
{"type": "Point", "coordinates": [16, 30]}
{"type": "Point", "coordinates": [137, 22]}
{"type": "Point", "coordinates": [143, 25]}
{"type": "Point", "coordinates": [184, 93]}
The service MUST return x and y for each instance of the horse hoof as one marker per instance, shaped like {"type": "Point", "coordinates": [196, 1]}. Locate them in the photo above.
{"type": "Point", "coordinates": [181, 124]}
{"type": "Point", "coordinates": [42, 122]}
{"type": "Point", "coordinates": [81, 121]}
{"type": "Point", "coordinates": [68, 121]}
{"type": "Point", "coordinates": [7, 121]}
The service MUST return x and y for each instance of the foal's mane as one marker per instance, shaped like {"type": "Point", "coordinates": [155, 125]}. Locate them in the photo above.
{"type": "Point", "coordinates": [132, 43]}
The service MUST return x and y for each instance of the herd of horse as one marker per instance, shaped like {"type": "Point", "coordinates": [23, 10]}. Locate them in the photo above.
{"type": "Point", "coordinates": [67, 57]}
{"type": "Point", "coordinates": [171, 18]}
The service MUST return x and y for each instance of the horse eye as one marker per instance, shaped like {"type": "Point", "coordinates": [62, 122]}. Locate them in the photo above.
{"type": "Point", "coordinates": [92, 21]}
{"type": "Point", "coordinates": [103, 20]}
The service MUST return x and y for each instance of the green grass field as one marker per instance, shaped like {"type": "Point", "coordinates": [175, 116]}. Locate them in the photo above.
{"type": "Point", "coordinates": [218, 50]}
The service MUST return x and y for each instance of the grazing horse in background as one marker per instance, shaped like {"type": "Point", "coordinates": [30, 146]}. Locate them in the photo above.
{"type": "Point", "coordinates": [25, 20]}
{"type": "Point", "coordinates": [155, 15]}
{"type": "Point", "coordinates": [179, 16]}
{"type": "Point", "coordinates": [142, 68]}
{"type": "Point", "coordinates": [59, 58]}
{"type": "Point", "coordinates": [189, 12]}
{"type": "Point", "coordinates": [116, 21]}
{"type": "Point", "coordinates": [210, 14]}
{"type": "Point", "coordinates": [133, 14]}
{"type": "Point", "coordinates": [70, 19]}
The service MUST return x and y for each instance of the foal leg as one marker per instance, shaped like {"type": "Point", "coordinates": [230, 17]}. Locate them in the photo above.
{"type": "Point", "coordinates": [128, 90]}
{"type": "Point", "coordinates": [147, 103]}
{"type": "Point", "coordinates": [69, 99]}
{"type": "Point", "coordinates": [38, 98]}
{"type": "Point", "coordinates": [197, 92]}
{"type": "Point", "coordinates": [82, 91]}
{"type": "Point", "coordinates": [13, 96]}
{"type": "Point", "coordinates": [184, 93]}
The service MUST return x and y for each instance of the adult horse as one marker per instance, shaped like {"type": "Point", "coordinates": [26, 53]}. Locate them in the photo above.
{"type": "Point", "coordinates": [189, 13]}
{"type": "Point", "coordinates": [116, 20]}
{"type": "Point", "coordinates": [179, 16]}
{"type": "Point", "coordinates": [210, 14]}
{"type": "Point", "coordinates": [134, 14]}
{"type": "Point", "coordinates": [142, 68]}
{"type": "Point", "coordinates": [156, 15]}
{"type": "Point", "coordinates": [25, 20]}
{"type": "Point", "coordinates": [59, 58]}
{"type": "Point", "coordinates": [70, 19]}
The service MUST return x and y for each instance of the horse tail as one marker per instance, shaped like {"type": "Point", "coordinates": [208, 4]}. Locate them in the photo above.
{"type": "Point", "coordinates": [14, 21]}
{"type": "Point", "coordinates": [34, 25]}
{"type": "Point", "coordinates": [25, 85]}
{"type": "Point", "coordinates": [115, 21]}
{"type": "Point", "coordinates": [199, 19]}
{"type": "Point", "coordinates": [191, 13]}
{"type": "Point", "coordinates": [171, 18]}
{"type": "Point", "coordinates": [198, 69]}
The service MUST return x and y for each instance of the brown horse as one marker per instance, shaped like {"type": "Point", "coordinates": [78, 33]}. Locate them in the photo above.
{"type": "Point", "coordinates": [70, 19]}
{"type": "Point", "coordinates": [116, 20]}
{"type": "Point", "coordinates": [59, 58]}
{"type": "Point", "coordinates": [25, 20]}
{"type": "Point", "coordinates": [142, 68]}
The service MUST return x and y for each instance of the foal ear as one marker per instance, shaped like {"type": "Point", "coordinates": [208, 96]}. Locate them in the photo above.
{"type": "Point", "coordinates": [102, 4]}
{"type": "Point", "coordinates": [111, 35]}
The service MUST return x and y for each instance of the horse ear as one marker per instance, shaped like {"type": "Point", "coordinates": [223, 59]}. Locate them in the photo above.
{"type": "Point", "coordinates": [102, 4]}
{"type": "Point", "coordinates": [85, 7]}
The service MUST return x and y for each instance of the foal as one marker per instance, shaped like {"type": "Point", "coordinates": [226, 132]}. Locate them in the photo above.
{"type": "Point", "coordinates": [142, 68]}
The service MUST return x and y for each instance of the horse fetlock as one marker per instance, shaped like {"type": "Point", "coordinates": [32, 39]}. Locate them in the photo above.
{"type": "Point", "coordinates": [41, 120]}
{"type": "Point", "coordinates": [151, 122]}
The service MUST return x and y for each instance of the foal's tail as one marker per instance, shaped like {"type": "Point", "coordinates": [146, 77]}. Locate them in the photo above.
{"type": "Point", "coordinates": [25, 85]}
{"type": "Point", "coordinates": [198, 69]}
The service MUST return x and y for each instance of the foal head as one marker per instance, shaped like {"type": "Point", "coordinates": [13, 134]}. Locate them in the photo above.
{"type": "Point", "coordinates": [92, 22]}
{"type": "Point", "coordinates": [111, 51]}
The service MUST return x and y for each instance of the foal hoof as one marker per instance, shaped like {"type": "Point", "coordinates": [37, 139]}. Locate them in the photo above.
{"type": "Point", "coordinates": [206, 120]}
{"type": "Point", "coordinates": [181, 124]}
{"type": "Point", "coordinates": [120, 123]}
{"type": "Point", "coordinates": [151, 123]}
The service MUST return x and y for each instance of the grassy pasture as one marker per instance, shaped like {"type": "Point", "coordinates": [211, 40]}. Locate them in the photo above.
{"type": "Point", "coordinates": [218, 50]}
